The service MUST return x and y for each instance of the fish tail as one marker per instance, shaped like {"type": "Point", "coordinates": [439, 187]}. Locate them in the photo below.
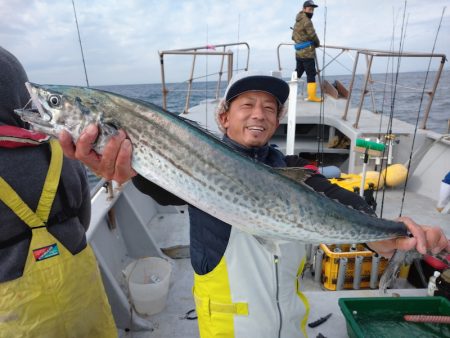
{"type": "Point", "coordinates": [392, 270]}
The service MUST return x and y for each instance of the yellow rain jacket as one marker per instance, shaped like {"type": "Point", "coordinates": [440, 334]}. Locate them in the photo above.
{"type": "Point", "coordinates": [59, 294]}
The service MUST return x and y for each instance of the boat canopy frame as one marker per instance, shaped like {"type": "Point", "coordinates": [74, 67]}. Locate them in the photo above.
{"type": "Point", "coordinates": [370, 54]}
{"type": "Point", "coordinates": [208, 50]}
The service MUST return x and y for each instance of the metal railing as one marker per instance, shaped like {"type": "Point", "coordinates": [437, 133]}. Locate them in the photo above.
{"type": "Point", "coordinates": [370, 54]}
{"type": "Point", "coordinates": [208, 50]}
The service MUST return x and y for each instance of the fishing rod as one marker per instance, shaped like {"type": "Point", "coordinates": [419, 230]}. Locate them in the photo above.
{"type": "Point", "coordinates": [109, 187]}
{"type": "Point", "coordinates": [420, 107]}
{"type": "Point", "coordinates": [391, 49]}
{"type": "Point", "coordinates": [79, 40]}
{"type": "Point", "coordinates": [321, 128]}
{"type": "Point", "coordinates": [399, 58]}
{"type": "Point", "coordinates": [389, 135]}
{"type": "Point", "coordinates": [379, 160]}
{"type": "Point", "coordinates": [389, 64]}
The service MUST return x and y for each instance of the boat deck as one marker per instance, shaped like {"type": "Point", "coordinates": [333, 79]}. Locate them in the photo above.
{"type": "Point", "coordinates": [171, 229]}
{"type": "Point", "coordinates": [418, 207]}
{"type": "Point", "coordinates": [171, 322]}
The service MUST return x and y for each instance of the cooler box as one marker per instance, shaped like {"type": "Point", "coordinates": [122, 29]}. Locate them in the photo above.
{"type": "Point", "coordinates": [383, 316]}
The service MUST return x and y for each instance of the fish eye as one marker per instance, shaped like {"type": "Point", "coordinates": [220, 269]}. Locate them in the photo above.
{"type": "Point", "coordinates": [54, 100]}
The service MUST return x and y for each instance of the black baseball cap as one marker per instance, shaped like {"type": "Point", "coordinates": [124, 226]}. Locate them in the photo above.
{"type": "Point", "coordinates": [309, 3]}
{"type": "Point", "coordinates": [257, 81]}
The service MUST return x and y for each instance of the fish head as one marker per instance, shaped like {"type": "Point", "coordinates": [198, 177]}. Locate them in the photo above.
{"type": "Point", "coordinates": [68, 108]}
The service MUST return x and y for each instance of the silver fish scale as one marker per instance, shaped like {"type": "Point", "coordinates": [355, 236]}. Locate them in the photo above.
{"type": "Point", "coordinates": [235, 189]}
{"type": "Point", "coordinates": [241, 192]}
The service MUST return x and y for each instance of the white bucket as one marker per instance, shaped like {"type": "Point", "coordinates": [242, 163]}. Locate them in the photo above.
{"type": "Point", "coordinates": [148, 283]}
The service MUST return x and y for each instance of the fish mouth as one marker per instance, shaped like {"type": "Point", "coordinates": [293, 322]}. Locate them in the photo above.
{"type": "Point", "coordinates": [36, 115]}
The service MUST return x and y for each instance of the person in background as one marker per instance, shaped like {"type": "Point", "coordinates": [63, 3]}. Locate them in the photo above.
{"type": "Point", "coordinates": [50, 284]}
{"type": "Point", "coordinates": [240, 288]}
{"type": "Point", "coordinates": [306, 41]}
{"type": "Point", "coordinates": [444, 193]}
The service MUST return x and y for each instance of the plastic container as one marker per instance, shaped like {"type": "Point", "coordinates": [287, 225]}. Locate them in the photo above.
{"type": "Point", "coordinates": [432, 283]}
{"type": "Point", "coordinates": [383, 316]}
{"type": "Point", "coordinates": [330, 265]}
{"type": "Point", "coordinates": [148, 283]}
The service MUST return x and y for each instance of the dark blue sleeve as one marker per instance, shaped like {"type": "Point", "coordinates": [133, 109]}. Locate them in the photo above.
{"type": "Point", "coordinates": [160, 195]}
{"type": "Point", "coordinates": [321, 184]}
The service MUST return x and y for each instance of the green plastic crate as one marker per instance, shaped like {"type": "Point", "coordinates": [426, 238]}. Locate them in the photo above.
{"type": "Point", "coordinates": [379, 317]}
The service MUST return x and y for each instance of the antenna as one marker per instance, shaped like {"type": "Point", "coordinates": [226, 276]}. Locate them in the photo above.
{"type": "Point", "coordinates": [81, 46]}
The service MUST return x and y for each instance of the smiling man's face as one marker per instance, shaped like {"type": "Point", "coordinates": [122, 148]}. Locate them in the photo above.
{"type": "Point", "coordinates": [251, 119]}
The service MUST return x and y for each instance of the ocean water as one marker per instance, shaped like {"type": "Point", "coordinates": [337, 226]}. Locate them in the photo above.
{"type": "Point", "coordinates": [406, 102]}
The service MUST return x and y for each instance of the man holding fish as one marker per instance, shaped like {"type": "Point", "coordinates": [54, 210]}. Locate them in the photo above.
{"type": "Point", "coordinates": [244, 286]}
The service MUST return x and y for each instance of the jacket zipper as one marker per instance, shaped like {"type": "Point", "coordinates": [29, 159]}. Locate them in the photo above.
{"type": "Point", "coordinates": [277, 294]}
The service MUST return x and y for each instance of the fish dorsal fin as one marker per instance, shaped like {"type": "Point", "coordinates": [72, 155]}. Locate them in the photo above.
{"type": "Point", "coordinates": [298, 174]}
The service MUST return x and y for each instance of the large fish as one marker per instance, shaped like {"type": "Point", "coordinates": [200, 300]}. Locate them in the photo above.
{"type": "Point", "coordinates": [191, 163]}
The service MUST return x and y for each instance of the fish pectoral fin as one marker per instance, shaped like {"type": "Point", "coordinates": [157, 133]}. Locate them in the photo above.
{"type": "Point", "coordinates": [270, 245]}
{"type": "Point", "coordinates": [297, 174]}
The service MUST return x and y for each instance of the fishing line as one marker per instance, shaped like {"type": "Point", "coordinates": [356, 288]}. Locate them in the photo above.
{"type": "Point", "coordinates": [391, 49]}
{"type": "Point", "coordinates": [30, 102]}
{"type": "Point", "coordinates": [401, 47]}
{"type": "Point", "coordinates": [389, 64]}
{"type": "Point", "coordinates": [389, 136]}
{"type": "Point", "coordinates": [420, 106]}
{"type": "Point", "coordinates": [81, 46]}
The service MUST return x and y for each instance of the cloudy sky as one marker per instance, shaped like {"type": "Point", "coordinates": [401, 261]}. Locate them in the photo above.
{"type": "Point", "coordinates": [121, 39]}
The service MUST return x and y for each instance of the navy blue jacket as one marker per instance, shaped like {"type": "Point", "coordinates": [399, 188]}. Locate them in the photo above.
{"type": "Point", "coordinates": [208, 235]}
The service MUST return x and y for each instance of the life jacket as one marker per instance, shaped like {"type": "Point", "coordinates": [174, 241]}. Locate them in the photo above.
{"type": "Point", "coordinates": [59, 294]}
{"type": "Point", "coordinates": [252, 292]}
{"type": "Point", "coordinates": [15, 137]}
{"type": "Point", "coordinates": [350, 182]}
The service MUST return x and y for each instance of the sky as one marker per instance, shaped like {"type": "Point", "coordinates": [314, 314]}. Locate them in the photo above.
{"type": "Point", "coordinates": [121, 39]}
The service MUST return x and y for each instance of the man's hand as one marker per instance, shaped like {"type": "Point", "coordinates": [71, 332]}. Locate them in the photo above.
{"type": "Point", "coordinates": [425, 239]}
{"type": "Point", "coordinates": [113, 164]}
